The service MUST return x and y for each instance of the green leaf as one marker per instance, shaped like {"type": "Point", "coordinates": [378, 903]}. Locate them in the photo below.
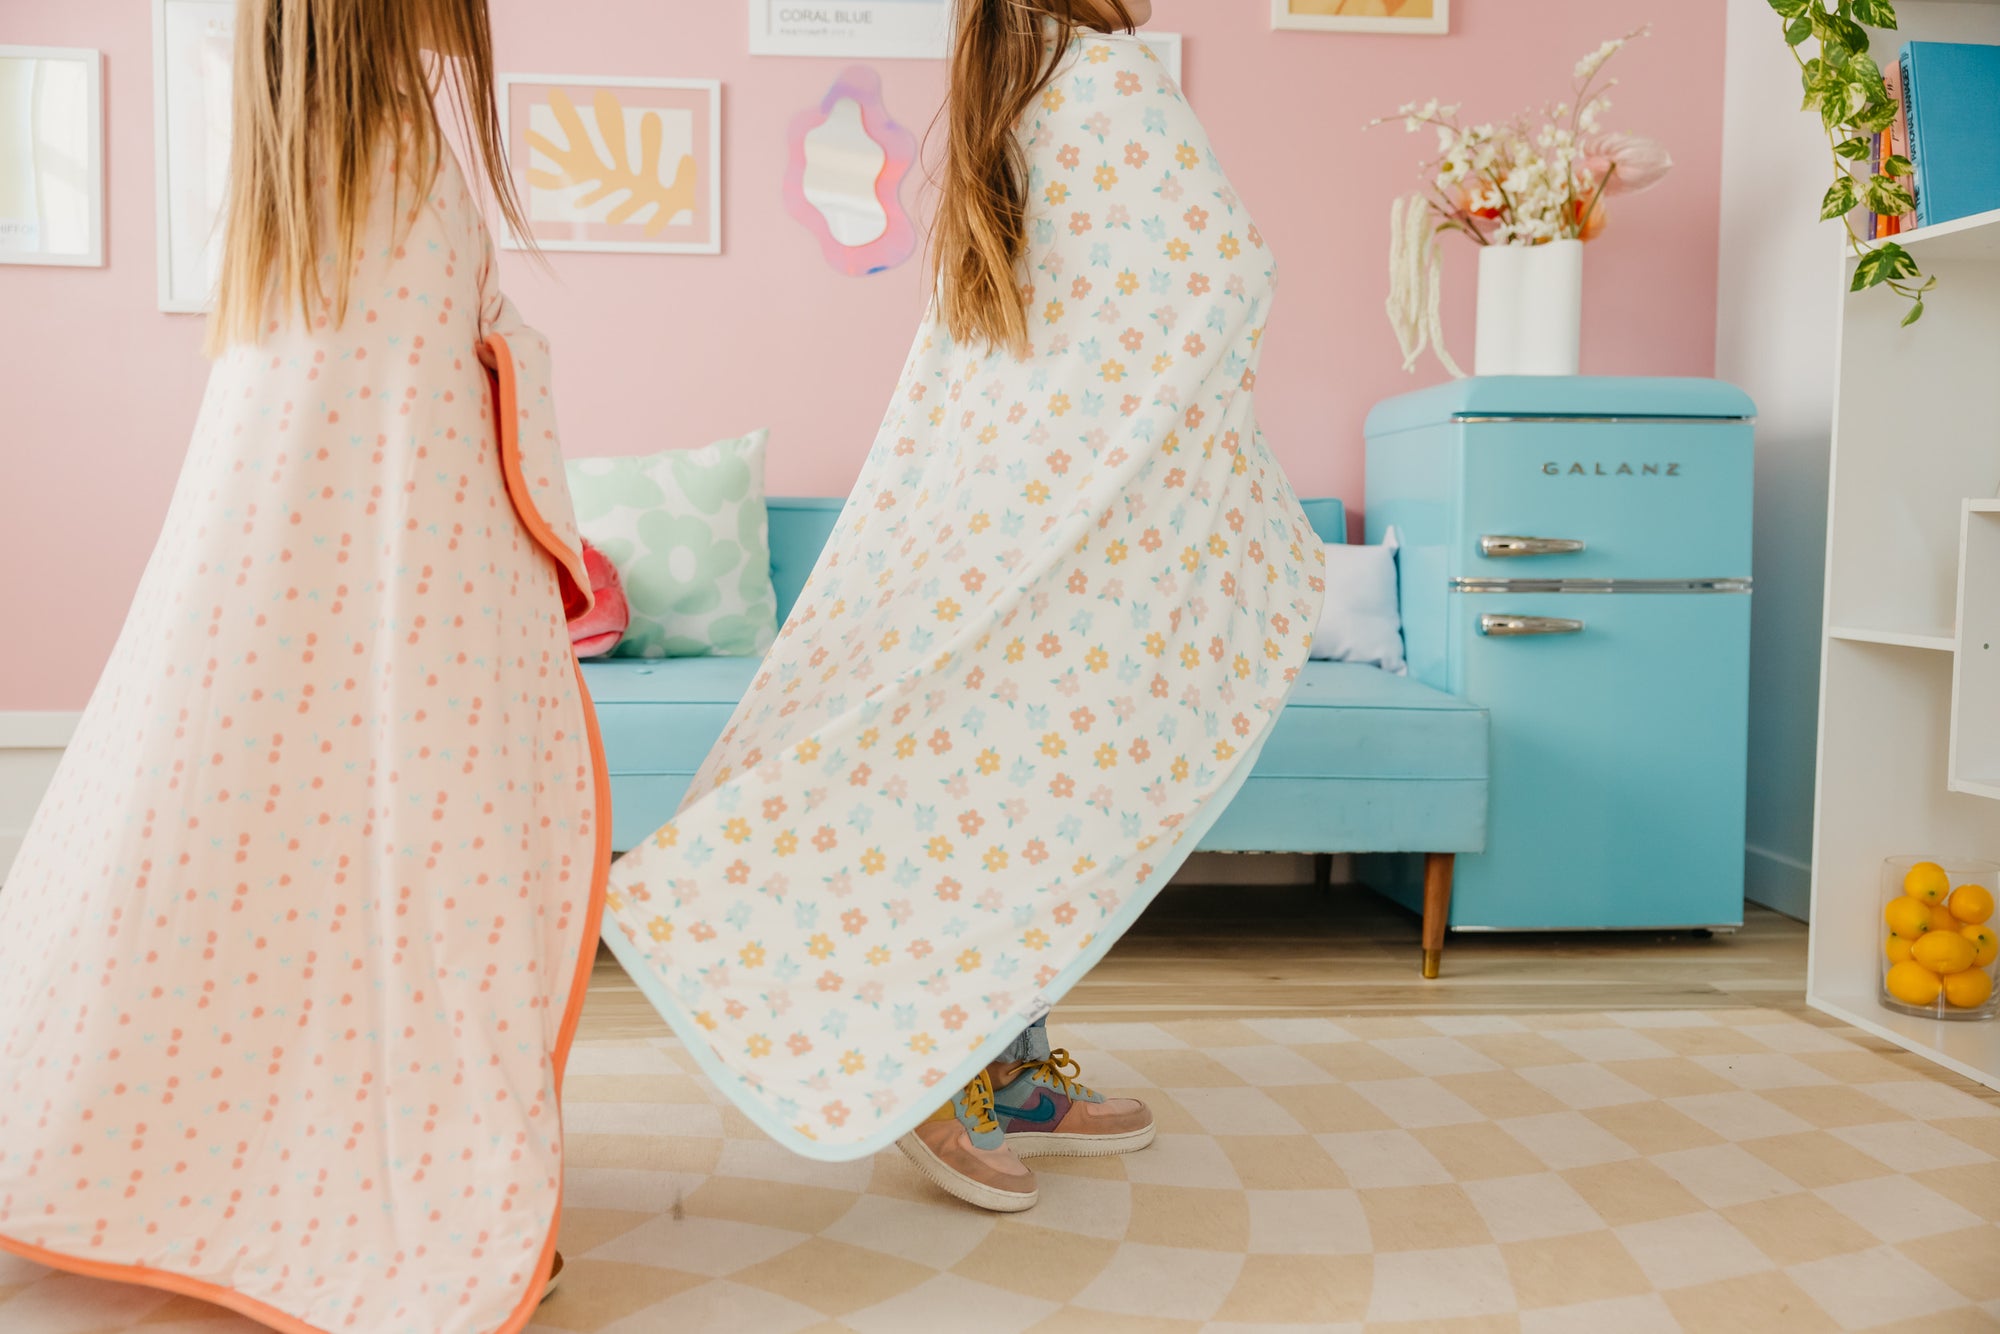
{"type": "Point", "coordinates": [1834, 28]}
{"type": "Point", "coordinates": [1849, 33]}
{"type": "Point", "coordinates": [1790, 9]}
{"type": "Point", "coordinates": [1854, 150]}
{"type": "Point", "coordinates": [1897, 166]}
{"type": "Point", "coordinates": [1875, 13]}
{"type": "Point", "coordinates": [1916, 313]}
{"type": "Point", "coordinates": [1885, 263]}
{"type": "Point", "coordinates": [1879, 115]}
{"type": "Point", "coordinates": [1797, 30]}
{"type": "Point", "coordinates": [1840, 197]}
{"type": "Point", "coordinates": [1887, 196]}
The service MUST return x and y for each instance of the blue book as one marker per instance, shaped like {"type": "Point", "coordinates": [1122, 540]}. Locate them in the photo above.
{"type": "Point", "coordinates": [1952, 92]}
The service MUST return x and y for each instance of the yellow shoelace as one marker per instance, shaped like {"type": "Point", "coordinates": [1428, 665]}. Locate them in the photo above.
{"type": "Point", "coordinates": [1061, 1069]}
{"type": "Point", "coordinates": [979, 1103]}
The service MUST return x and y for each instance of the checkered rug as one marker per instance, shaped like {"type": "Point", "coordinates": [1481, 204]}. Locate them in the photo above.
{"type": "Point", "coordinates": [1704, 1170]}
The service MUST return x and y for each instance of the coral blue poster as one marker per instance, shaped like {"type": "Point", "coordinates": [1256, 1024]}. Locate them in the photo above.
{"type": "Point", "coordinates": [851, 29]}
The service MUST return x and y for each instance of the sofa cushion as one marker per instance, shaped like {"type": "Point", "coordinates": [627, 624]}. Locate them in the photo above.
{"type": "Point", "coordinates": [1351, 720]}
{"type": "Point", "coordinates": [663, 716]}
{"type": "Point", "coordinates": [689, 533]}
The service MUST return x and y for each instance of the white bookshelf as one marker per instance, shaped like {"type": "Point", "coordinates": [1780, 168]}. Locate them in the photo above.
{"type": "Point", "coordinates": [1909, 720]}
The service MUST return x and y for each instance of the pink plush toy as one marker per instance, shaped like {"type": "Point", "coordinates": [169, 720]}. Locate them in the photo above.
{"type": "Point", "coordinates": [597, 631]}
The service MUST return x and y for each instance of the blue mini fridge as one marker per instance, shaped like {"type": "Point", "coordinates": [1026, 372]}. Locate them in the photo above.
{"type": "Point", "coordinates": [1576, 558]}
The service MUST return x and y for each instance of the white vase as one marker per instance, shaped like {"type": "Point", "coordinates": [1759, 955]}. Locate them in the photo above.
{"type": "Point", "coordinates": [1530, 309]}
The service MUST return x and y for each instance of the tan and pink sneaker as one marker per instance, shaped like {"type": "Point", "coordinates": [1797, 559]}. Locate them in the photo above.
{"type": "Point", "coordinates": [962, 1149]}
{"type": "Point", "coordinates": [1045, 1111]}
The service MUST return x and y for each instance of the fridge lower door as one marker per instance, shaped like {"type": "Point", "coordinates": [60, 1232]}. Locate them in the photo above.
{"type": "Point", "coordinates": [1620, 724]}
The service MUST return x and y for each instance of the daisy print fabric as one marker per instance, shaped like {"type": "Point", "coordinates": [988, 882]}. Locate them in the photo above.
{"type": "Point", "coordinates": [1041, 650]}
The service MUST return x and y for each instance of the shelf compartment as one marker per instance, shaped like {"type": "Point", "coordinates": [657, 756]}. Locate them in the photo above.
{"type": "Point", "coordinates": [1885, 728]}
{"type": "Point", "coordinates": [1975, 685]}
{"type": "Point", "coordinates": [1917, 430]}
{"type": "Point", "coordinates": [1853, 634]}
{"type": "Point", "coordinates": [1971, 1049]}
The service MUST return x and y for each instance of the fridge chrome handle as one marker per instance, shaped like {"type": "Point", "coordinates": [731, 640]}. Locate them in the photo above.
{"type": "Point", "coordinates": [1496, 546]}
{"type": "Point", "coordinates": [1516, 627]}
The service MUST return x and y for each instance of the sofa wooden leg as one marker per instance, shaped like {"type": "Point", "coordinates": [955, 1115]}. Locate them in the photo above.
{"type": "Point", "coordinates": [1437, 907]}
{"type": "Point", "coordinates": [1322, 871]}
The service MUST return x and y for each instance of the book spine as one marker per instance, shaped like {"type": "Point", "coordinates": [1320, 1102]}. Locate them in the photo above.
{"type": "Point", "coordinates": [1875, 220]}
{"type": "Point", "coordinates": [1911, 114]}
{"type": "Point", "coordinates": [1899, 140]}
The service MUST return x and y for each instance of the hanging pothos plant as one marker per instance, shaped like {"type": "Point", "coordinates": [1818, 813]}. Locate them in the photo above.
{"type": "Point", "coordinates": [1843, 82]}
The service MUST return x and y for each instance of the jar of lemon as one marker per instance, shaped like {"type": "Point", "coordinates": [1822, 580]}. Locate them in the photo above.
{"type": "Point", "coordinates": [1939, 941]}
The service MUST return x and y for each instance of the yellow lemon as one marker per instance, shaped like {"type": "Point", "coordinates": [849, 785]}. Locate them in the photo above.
{"type": "Point", "coordinates": [1943, 952]}
{"type": "Point", "coordinates": [1896, 948]}
{"type": "Point", "coordinates": [1926, 881]}
{"type": "Point", "coordinates": [1942, 920]}
{"type": "Point", "coordinates": [1908, 917]}
{"type": "Point", "coordinates": [1969, 989]}
{"type": "Point", "coordinates": [1971, 904]}
{"type": "Point", "coordinates": [1913, 984]}
{"type": "Point", "coordinates": [1985, 944]}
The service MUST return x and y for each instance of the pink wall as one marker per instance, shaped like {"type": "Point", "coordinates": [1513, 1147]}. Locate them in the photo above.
{"type": "Point", "coordinates": [99, 389]}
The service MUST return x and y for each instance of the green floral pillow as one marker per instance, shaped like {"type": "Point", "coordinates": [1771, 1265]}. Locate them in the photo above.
{"type": "Point", "coordinates": [691, 538]}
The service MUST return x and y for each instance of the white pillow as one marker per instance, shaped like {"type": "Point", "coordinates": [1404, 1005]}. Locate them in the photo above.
{"type": "Point", "coordinates": [1361, 621]}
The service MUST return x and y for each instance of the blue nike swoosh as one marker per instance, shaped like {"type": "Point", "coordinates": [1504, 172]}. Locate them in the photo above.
{"type": "Point", "coordinates": [1043, 1110]}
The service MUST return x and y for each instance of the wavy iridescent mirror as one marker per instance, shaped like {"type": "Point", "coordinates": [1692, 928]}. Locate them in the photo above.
{"type": "Point", "coordinates": [845, 181]}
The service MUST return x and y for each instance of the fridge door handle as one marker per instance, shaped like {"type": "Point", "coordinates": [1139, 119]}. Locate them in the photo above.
{"type": "Point", "coordinates": [1515, 627]}
{"type": "Point", "coordinates": [1496, 546]}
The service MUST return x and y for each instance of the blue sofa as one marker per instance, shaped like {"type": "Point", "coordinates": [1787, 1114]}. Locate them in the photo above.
{"type": "Point", "coordinates": [1361, 761]}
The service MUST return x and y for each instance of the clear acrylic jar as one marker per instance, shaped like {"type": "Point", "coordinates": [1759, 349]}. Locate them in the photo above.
{"type": "Point", "coordinates": [1961, 994]}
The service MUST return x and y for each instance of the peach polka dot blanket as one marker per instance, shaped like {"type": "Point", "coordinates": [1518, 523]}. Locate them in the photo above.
{"type": "Point", "coordinates": [291, 955]}
{"type": "Point", "coordinates": [1040, 652]}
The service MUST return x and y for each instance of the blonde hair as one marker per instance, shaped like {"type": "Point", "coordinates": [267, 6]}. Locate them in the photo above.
{"type": "Point", "coordinates": [1003, 57]}
{"type": "Point", "coordinates": [323, 89]}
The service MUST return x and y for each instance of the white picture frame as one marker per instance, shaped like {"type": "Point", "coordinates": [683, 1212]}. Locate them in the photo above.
{"type": "Point", "coordinates": [704, 145]}
{"type": "Point", "coordinates": [193, 49]}
{"type": "Point", "coordinates": [1436, 23]}
{"type": "Point", "coordinates": [1171, 48]}
{"type": "Point", "coordinates": [52, 114]}
{"type": "Point", "coordinates": [852, 29]}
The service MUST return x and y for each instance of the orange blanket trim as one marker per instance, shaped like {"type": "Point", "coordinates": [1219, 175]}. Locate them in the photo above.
{"type": "Point", "coordinates": [571, 564]}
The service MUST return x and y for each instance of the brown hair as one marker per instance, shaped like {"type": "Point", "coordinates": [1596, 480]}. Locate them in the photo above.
{"type": "Point", "coordinates": [323, 89]}
{"type": "Point", "coordinates": [1004, 56]}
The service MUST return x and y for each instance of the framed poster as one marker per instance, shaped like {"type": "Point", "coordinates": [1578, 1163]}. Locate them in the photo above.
{"type": "Point", "coordinates": [852, 29]}
{"type": "Point", "coordinates": [631, 165]}
{"type": "Point", "coordinates": [1408, 16]}
{"type": "Point", "coordinates": [194, 44]}
{"type": "Point", "coordinates": [51, 156]}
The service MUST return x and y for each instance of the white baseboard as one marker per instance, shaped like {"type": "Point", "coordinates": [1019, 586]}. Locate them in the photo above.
{"type": "Point", "coordinates": [1782, 884]}
{"type": "Point", "coordinates": [31, 744]}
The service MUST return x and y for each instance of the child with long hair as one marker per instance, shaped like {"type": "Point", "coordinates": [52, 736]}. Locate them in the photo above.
{"type": "Point", "coordinates": [1040, 653]}
{"type": "Point", "coordinates": [293, 951]}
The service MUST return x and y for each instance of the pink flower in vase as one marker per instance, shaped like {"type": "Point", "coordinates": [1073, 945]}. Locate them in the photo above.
{"type": "Point", "coordinates": [1628, 164]}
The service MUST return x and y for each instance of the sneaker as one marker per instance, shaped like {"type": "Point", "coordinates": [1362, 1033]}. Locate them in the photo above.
{"type": "Point", "coordinates": [555, 1277]}
{"type": "Point", "coordinates": [1045, 1111]}
{"type": "Point", "coordinates": [962, 1149]}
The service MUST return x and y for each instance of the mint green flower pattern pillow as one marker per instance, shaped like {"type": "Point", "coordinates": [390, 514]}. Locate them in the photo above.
{"type": "Point", "coordinates": [689, 534]}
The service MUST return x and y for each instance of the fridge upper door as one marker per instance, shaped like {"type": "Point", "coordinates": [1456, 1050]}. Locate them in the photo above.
{"type": "Point", "coordinates": [1604, 499]}
{"type": "Point", "coordinates": [1619, 732]}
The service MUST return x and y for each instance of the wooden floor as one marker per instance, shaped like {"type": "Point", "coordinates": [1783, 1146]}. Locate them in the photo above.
{"type": "Point", "coordinates": [1263, 952]}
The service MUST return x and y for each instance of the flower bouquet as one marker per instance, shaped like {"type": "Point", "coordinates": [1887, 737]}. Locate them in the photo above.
{"type": "Point", "coordinates": [1539, 183]}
